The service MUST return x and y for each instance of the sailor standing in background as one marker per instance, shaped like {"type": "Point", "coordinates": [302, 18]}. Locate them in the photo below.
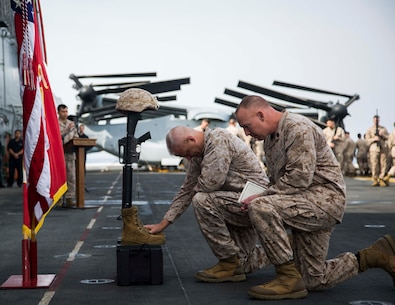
{"type": "Point", "coordinates": [203, 125]}
{"type": "Point", "coordinates": [335, 138]}
{"type": "Point", "coordinates": [376, 137]}
{"type": "Point", "coordinates": [362, 155]}
{"type": "Point", "coordinates": [348, 155]}
{"type": "Point", "coordinates": [391, 148]}
{"type": "Point", "coordinates": [15, 149]}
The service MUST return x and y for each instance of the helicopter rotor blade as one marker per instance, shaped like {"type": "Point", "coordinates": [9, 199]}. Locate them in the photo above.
{"type": "Point", "coordinates": [235, 93]}
{"type": "Point", "coordinates": [167, 98]}
{"type": "Point", "coordinates": [144, 74]}
{"type": "Point", "coordinates": [288, 85]}
{"type": "Point", "coordinates": [79, 85]}
{"type": "Point", "coordinates": [234, 105]}
{"type": "Point", "coordinates": [153, 88]}
{"type": "Point", "coordinates": [119, 84]}
{"type": "Point", "coordinates": [121, 88]}
{"type": "Point", "coordinates": [276, 105]}
{"type": "Point", "coordinates": [352, 100]}
{"type": "Point", "coordinates": [226, 103]}
{"type": "Point", "coordinates": [284, 97]}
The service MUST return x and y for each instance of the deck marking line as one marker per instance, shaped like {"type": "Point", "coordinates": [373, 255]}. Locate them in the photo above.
{"type": "Point", "coordinates": [48, 295]}
{"type": "Point", "coordinates": [91, 224]}
{"type": "Point", "coordinates": [47, 298]}
{"type": "Point", "coordinates": [77, 248]}
{"type": "Point", "coordinates": [178, 275]}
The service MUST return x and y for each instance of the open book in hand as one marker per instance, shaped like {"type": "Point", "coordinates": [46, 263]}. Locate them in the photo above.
{"type": "Point", "coordinates": [250, 189]}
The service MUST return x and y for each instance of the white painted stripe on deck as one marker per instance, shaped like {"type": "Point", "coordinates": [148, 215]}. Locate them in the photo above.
{"type": "Point", "coordinates": [91, 224]}
{"type": "Point", "coordinates": [47, 297]}
{"type": "Point", "coordinates": [76, 249]}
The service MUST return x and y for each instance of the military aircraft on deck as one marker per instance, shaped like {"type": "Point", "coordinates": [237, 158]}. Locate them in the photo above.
{"type": "Point", "coordinates": [103, 122]}
{"type": "Point", "coordinates": [97, 111]}
{"type": "Point", "coordinates": [317, 111]}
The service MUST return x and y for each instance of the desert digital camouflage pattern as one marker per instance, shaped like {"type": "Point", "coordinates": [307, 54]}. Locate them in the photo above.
{"type": "Point", "coordinates": [136, 100]}
{"type": "Point", "coordinates": [307, 195]}
{"type": "Point", "coordinates": [69, 156]}
{"type": "Point", "coordinates": [213, 185]}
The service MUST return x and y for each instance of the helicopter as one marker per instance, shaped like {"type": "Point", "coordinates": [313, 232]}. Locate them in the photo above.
{"type": "Point", "coordinates": [104, 123]}
{"type": "Point", "coordinates": [317, 111]}
{"type": "Point", "coordinates": [97, 111]}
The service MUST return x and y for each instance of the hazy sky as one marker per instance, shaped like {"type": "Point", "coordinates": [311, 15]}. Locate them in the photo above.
{"type": "Point", "coordinates": [346, 46]}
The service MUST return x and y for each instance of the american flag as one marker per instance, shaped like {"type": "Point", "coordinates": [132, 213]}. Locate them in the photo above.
{"type": "Point", "coordinates": [45, 170]}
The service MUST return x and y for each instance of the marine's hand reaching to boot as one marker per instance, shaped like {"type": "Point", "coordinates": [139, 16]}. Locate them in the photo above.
{"type": "Point", "coordinates": [159, 227]}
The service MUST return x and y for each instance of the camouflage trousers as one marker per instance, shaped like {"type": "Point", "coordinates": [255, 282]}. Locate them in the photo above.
{"type": "Point", "coordinates": [70, 171]}
{"type": "Point", "coordinates": [391, 172]}
{"type": "Point", "coordinates": [378, 161]}
{"type": "Point", "coordinates": [228, 230]}
{"type": "Point", "coordinates": [311, 229]}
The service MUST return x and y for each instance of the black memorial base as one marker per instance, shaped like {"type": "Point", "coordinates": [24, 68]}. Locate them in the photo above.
{"type": "Point", "coordinates": [141, 264]}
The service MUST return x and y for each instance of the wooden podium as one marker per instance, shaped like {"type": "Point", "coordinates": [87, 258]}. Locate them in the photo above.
{"type": "Point", "coordinates": [80, 144]}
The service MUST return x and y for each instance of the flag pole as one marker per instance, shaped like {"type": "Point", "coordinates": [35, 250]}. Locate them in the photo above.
{"type": "Point", "coordinates": [29, 277]}
{"type": "Point", "coordinates": [33, 253]}
{"type": "Point", "coordinates": [40, 24]}
{"type": "Point", "coordinates": [25, 242]}
{"type": "Point", "coordinates": [25, 264]}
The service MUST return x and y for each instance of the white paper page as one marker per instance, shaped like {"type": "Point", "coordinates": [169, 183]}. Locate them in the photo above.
{"type": "Point", "coordinates": [250, 189]}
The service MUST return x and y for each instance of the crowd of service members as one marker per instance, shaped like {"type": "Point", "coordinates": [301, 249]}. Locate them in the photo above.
{"type": "Point", "coordinates": [374, 151]}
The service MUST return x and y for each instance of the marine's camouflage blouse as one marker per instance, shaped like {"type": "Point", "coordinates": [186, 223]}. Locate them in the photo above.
{"type": "Point", "coordinates": [370, 135]}
{"type": "Point", "coordinates": [300, 162]}
{"type": "Point", "coordinates": [226, 165]}
{"type": "Point", "coordinates": [67, 135]}
{"type": "Point", "coordinates": [329, 133]}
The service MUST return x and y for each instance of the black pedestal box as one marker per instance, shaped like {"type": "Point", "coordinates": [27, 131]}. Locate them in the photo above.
{"type": "Point", "coordinates": [142, 264]}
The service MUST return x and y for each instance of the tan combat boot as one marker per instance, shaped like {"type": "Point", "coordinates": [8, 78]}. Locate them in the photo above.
{"type": "Point", "coordinates": [226, 270]}
{"type": "Point", "coordinates": [381, 254]}
{"type": "Point", "coordinates": [134, 232]}
{"type": "Point", "coordinates": [288, 284]}
{"type": "Point", "coordinates": [376, 182]}
{"type": "Point", "coordinates": [386, 180]}
{"type": "Point", "coordinates": [382, 182]}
